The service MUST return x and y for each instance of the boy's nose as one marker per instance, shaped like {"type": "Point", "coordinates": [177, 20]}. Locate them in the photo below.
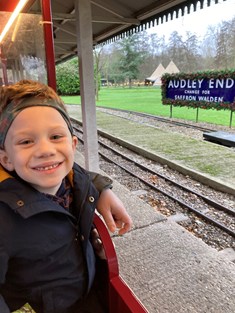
{"type": "Point", "coordinates": [45, 148]}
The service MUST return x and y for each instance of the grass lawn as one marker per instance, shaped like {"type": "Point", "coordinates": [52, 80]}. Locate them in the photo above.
{"type": "Point", "coordinates": [148, 100]}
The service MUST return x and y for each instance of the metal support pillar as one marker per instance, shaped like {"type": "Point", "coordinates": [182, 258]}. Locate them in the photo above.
{"type": "Point", "coordinates": [49, 43]}
{"type": "Point", "coordinates": [87, 86]}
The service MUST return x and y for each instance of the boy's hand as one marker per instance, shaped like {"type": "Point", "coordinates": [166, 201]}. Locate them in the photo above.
{"type": "Point", "coordinates": [113, 212]}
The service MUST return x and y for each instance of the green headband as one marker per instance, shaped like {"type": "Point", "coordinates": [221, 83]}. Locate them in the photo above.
{"type": "Point", "coordinates": [10, 112]}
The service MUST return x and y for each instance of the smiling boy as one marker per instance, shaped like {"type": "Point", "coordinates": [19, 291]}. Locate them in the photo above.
{"type": "Point", "coordinates": [40, 148]}
{"type": "Point", "coordinates": [47, 204]}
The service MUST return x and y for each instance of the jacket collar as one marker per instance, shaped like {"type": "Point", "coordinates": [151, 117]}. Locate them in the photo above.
{"type": "Point", "coordinates": [24, 199]}
{"type": "Point", "coordinates": [71, 177]}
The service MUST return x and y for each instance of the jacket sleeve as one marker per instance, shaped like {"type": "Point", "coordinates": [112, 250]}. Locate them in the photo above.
{"type": "Point", "coordinates": [3, 269]}
{"type": "Point", "coordinates": [101, 182]}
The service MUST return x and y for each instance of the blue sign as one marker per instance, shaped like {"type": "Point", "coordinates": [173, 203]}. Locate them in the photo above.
{"type": "Point", "coordinates": [217, 90]}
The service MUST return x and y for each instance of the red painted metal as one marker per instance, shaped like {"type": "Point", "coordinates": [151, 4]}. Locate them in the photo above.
{"type": "Point", "coordinates": [49, 43]}
{"type": "Point", "coordinates": [110, 252]}
{"type": "Point", "coordinates": [121, 298]}
{"type": "Point", "coordinates": [8, 6]}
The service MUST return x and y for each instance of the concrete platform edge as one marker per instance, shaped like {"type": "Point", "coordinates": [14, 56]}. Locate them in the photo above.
{"type": "Point", "coordinates": [210, 181]}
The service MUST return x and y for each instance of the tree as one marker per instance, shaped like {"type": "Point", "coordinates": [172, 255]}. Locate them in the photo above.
{"type": "Point", "coordinates": [208, 49]}
{"type": "Point", "coordinates": [191, 53]}
{"type": "Point", "coordinates": [153, 54]}
{"type": "Point", "coordinates": [176, 50]}
{"type": "Point", "coordinates": [130, 57]}
{"type": "Point", "coordinates": [221, 57]}
{"type": "Point", "coordinates": [231, 43]}
{"type": "Point", "coordinates": [98, 65]}
{"type": "Point", "coordinates": [110, 70]}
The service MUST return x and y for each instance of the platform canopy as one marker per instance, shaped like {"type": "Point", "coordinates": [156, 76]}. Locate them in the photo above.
{"type": "Point", "coordinates": [111, 19]}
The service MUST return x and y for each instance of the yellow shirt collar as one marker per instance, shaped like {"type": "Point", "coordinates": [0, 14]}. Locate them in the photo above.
{"type": "Point", "coordinates": [3, 174]}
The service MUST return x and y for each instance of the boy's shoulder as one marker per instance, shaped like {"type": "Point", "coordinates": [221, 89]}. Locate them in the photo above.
{"type": "Point", "coordinates": [78, 170]}
{"type": "Point", "coordinates": [78, 174]}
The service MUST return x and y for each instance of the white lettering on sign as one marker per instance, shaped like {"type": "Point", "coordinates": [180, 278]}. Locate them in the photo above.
{"type": "Point", "coordinates": [196, 92]}
{"type": "Point", "coordinates": [200, 98]}
{"type": "Point", "coordinates": [183, 97]}
{"type": "Point", "coordinates": [197, 83]}
{"type": "Point", "coordinates": [221, 83]}
{"type": "Point", "coordinates": [185, 83]}
{"type": "Point", "coordinates": [210, 99]}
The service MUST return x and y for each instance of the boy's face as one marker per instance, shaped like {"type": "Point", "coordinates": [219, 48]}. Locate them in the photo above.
{"type": "Point", "coordinates": [40, 148]}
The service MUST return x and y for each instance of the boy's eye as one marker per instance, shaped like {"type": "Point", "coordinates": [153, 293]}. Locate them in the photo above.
{"type": "Point", "coordinates": [56, 137]}
{"type": "Point", "coordinates": [25, 142]}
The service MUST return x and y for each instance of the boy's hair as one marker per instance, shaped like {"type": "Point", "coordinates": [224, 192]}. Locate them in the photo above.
{"type": "Point", "coordinates": [24, 94]}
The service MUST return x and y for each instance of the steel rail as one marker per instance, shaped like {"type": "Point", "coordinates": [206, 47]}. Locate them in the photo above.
{"type": "Point", "coordinates": [145, 168]}
{"type": "Point", "coordinates": [182, 203]}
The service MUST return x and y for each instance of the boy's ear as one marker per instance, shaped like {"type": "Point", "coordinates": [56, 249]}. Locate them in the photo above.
{"type": "Point", "coordinates": [74, 142]}
{"type": "Point", "coordinates": [5, 161]}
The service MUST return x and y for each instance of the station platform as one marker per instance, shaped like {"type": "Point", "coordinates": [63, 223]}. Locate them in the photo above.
{"type": "Point", "coordinates": [169, 269]}
{"type": "Point", "coordinates": [220, 137]}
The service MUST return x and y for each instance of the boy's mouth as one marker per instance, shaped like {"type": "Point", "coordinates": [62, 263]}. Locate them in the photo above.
{"type": "Point", "coordinates": [47, 168]}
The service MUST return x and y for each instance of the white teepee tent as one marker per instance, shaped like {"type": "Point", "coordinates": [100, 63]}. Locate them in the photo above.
{"type": "Point", "coordinates": [157, 74]}
{"type": "Point", "coordinates": [171, 68]}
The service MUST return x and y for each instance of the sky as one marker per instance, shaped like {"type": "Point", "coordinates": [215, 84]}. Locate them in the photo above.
{"type": "Point", "coordinates": [197, 22]}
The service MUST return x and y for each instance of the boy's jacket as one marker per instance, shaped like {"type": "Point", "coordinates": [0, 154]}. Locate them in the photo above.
{"type": "Point", "coordinates": [46, 257]}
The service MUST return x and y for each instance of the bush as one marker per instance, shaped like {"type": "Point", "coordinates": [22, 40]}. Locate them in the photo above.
{"type": "Point", "coordinates": [67, 76]}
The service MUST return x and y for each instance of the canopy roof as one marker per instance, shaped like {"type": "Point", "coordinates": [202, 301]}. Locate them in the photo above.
{"type": "Point", "coordinates": [111, 19]}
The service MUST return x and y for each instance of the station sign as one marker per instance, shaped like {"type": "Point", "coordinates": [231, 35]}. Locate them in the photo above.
{"type": "Point", "coordinates": [209, 90]}
{"type": "Point", "coordinates": [206, 92]}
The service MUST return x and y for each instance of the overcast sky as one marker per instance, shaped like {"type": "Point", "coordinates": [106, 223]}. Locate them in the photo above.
{"type": "Point", "coordinates": [198, 22]}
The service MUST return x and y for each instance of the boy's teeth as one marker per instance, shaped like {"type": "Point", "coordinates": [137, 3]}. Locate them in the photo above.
{"type": "Point", "coordinates": [47, 167]}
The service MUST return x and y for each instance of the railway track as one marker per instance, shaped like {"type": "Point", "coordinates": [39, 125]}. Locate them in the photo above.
{"type": "Point", "coordinates": [167, 195]}
{"type": "Point", "coordinates": [157, 118]}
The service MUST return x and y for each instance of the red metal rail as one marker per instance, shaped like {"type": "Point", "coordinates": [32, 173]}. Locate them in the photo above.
{"type": "Point", "coordinates": [121, 298]}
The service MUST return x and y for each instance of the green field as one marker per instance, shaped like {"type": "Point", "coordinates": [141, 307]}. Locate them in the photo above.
{"type": "Point", "coordinates": [148, 100]}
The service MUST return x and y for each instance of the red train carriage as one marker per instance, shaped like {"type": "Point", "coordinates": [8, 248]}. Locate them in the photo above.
{"type": "Point", "coordinates": [119, 297]}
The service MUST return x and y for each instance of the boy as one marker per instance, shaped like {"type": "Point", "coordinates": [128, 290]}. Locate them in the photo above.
{"type": "Point", "coordinates": [47, 204]}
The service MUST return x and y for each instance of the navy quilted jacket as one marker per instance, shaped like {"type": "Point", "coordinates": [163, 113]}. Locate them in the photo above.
{"type": "Point", "coordinates": [46, 258]}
